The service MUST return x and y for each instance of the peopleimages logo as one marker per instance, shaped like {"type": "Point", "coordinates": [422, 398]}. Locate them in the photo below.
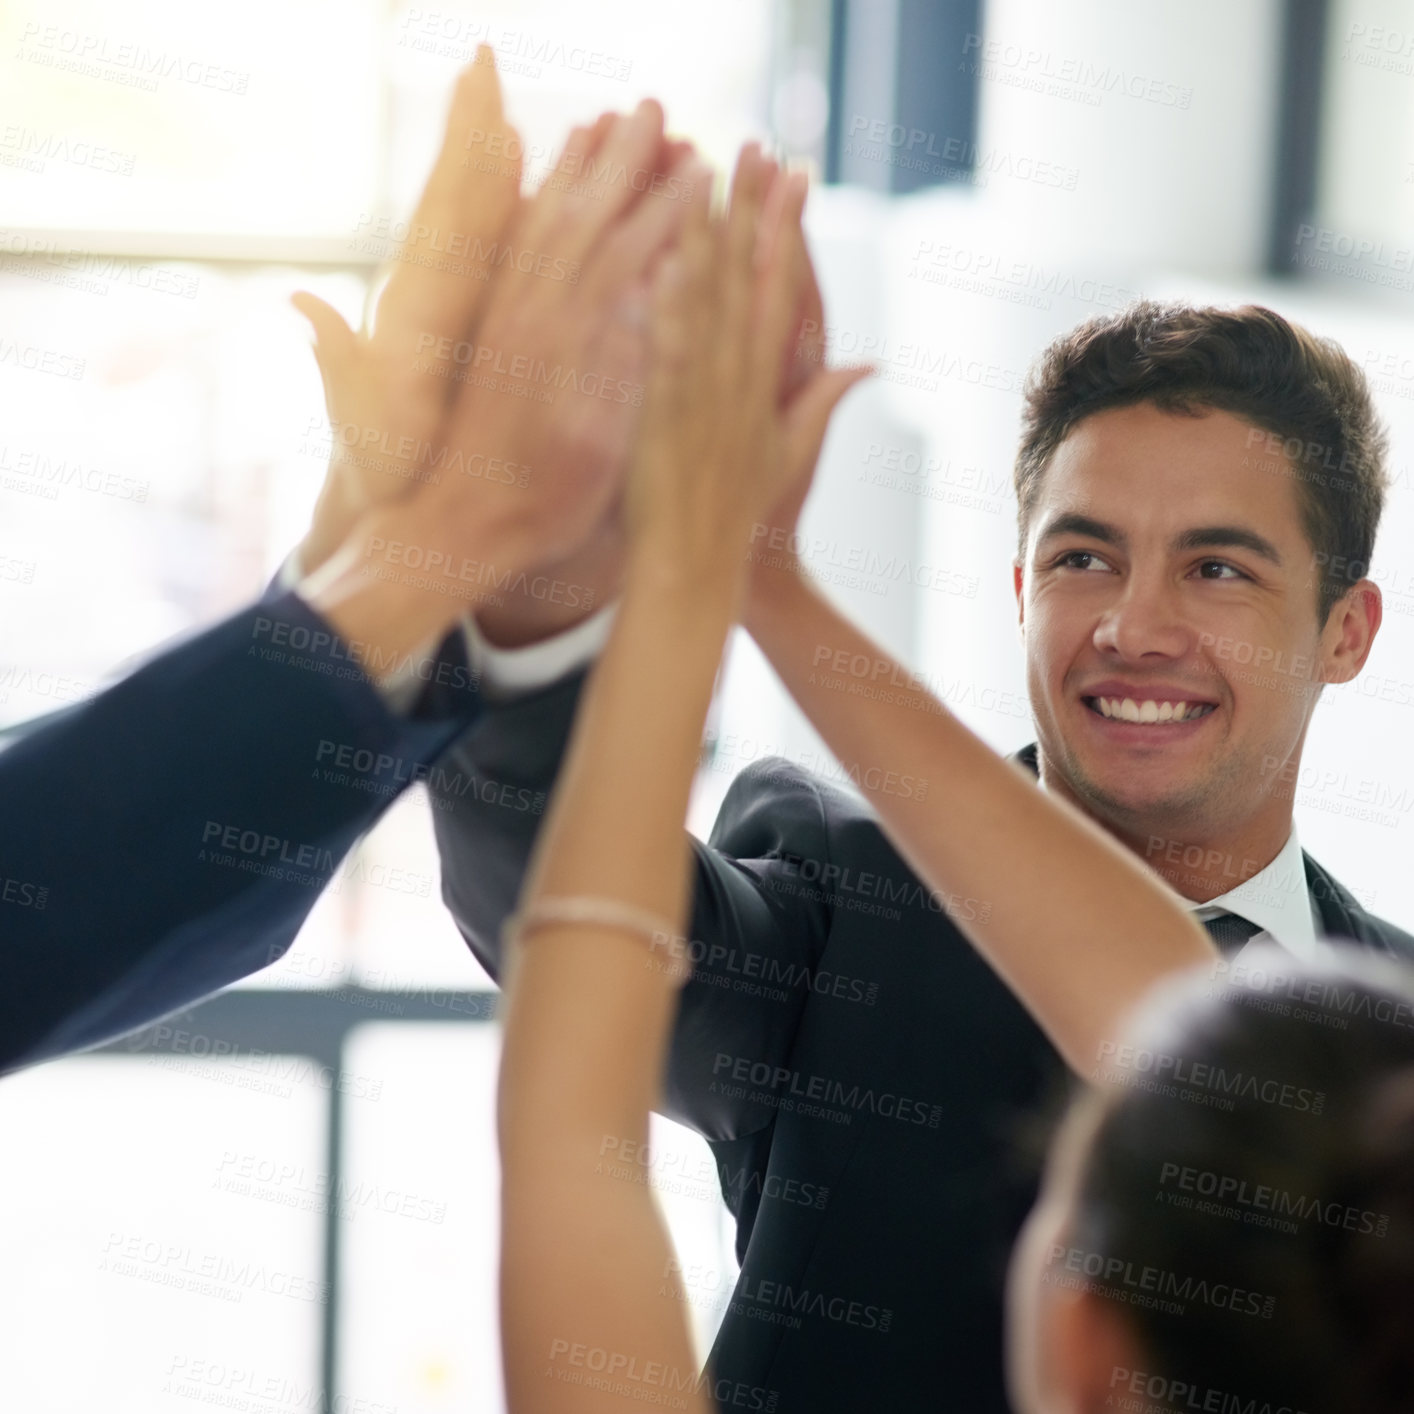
{"type": "Point", "coordinates": [240, 1387]}
{"type": "Point", "coordinates": [807, 1094]}
{"type": "Point", "coordinates": [36, 472]}
{"type": "Point", "coordinates": [126, 61]}
{"type": "Point", "coordinates": [36, 359]}
{"type": "Point", "coordinates": [1146, 1392]}
{"type": "Point", "coordinates": [453, 36]}
{"type": "Point", "coordinates": [1065, 76]}
{"type": "Point", "coordinates": [1147, 1286]}
{"type": "Point", "coordinates": [520, 372]}
{"type": "Point", "coordinates": [715, 964]}
{"type": "Point", "coordinates": [1268, 1205]}
{"type": "Point", "coordinates": [879, 140]}
{"type": "Point", "coordinates": [762, 1298]}
{"type": "Point", "coordinates": [1217, 1084]}
{"type": "Point", "coordinates": [652, 1382]}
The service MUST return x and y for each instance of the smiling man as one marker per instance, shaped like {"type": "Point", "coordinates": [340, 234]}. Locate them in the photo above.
{"type": "Point", "coordinates": [839, 1035]}
{"type": "Point", "coordinates": [1178, 621]}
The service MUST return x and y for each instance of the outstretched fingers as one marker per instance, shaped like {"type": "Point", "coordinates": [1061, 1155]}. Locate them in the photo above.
{"type": "Point", "coordinates": [683, 297]}
{"type": "Point", "coordinates": [602, 171]}
{"type": "Point", "coordinates": [472, 189]}
{"type": "Point", "coordinates": [335, 344]}
{"type": "Point", "coordinates": [781, 281]}
{"type": "Point", "coordinates": [633, 245]}
{"type": "Point", "coordinates": [807, 416]}
{"type": "Point", "coordinates": [441, 272]}
{"type": "Point", "coordinates": [750, 183]}
{"type": "Point", "coordinates": [476, 119]}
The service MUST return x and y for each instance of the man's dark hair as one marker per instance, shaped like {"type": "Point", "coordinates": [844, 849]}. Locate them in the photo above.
{"type": "Point", "coordinates": [1303, 391]}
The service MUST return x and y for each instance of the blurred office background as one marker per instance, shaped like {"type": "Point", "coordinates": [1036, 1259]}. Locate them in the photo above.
{"type": "Point", "coordinates": [286, 1201]}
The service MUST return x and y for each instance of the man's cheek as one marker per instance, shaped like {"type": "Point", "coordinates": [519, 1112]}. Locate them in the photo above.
{"type": "Point", "coordinates": [1052, 645]}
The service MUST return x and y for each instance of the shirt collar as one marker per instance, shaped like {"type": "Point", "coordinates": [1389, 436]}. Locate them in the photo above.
{"type": "Point", "coordinates": [1277, 899]}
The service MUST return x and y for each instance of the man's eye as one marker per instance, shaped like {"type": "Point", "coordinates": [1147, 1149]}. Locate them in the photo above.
{"type": "Point", "coordinates": [1081, 560]}
{"type": "Point", "coordinates": [1219, 569]}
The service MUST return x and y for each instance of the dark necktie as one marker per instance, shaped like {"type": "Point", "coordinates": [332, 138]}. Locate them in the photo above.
{"type": "Point", "coordinates": [1230, 932]}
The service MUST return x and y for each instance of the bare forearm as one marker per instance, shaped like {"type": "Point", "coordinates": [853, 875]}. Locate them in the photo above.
{"type": "Point", "coordinates": [585, 1258]}
{"type": "Point", "coordinates": [615, 829]}
{"type": "Point", "coordinates": [635, 746]}
{"type": "Point", "coordinates": [984, 830]}
{"type": "Point", "coordinates": [589, 1009]}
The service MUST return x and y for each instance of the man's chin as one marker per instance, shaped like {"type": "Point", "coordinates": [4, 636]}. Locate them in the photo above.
{"type": "Point", "coordinates": [1136, 800]}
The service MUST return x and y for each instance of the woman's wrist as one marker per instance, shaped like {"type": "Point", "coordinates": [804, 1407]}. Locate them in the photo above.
{"type": "Point", "coordinates": [774, 594]}
{"type": "Point", "coordinates": [694, 588]}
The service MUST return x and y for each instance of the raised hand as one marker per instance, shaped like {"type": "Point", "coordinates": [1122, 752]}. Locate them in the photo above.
{"type": "Point", "coordinates": [734, 422]}
{"type": "Point", "coordinates": [387, 391]}
{"type": "Point", "coordinates": [527, 447]}
{"type": "Point", "coordinates": [554, 385]}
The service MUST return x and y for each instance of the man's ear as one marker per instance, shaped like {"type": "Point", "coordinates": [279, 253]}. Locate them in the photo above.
{"type": "Point", "coordinates": [1350, 631]}
{"type": "Point", "coordinates": [1018, 584]}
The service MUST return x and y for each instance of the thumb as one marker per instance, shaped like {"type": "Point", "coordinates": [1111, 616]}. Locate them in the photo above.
{"type": "Point", "coordinates": [808, 415]}
{"type": "Point", "coordinates": [335, 344]}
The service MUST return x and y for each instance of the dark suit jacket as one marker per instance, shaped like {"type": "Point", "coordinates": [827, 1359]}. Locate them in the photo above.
{"type": "Point", "coordinates": [866, 1083]}
{"type": "Point", "coordinates": [170, 835]}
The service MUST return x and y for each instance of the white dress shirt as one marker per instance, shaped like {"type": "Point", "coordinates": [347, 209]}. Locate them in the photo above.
{"type": "Point", "coordinates": [505, 672]}
{"type": "Point", "coordinates": [1278, 900]}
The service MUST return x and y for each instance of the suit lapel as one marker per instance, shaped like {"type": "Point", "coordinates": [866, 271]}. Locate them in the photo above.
{"type": "Point", "coordinates": [1027, 757]}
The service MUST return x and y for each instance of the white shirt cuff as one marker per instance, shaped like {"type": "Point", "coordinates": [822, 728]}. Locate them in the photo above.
{"type": "Point", "coordinates": [509, 672]}
{"type": "Point", "coordinates": [290, 573]}
{"type": "Point", "coordinates": [504, 672]}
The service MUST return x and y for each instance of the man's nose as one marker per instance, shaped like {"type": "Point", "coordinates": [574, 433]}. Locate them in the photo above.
{"type": "Point", "coordinates": [1146, 618]}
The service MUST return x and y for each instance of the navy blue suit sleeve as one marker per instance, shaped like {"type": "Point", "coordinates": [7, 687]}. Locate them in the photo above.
{"type": "Point", "coordinates": [757, 935]}
{"type": "Point", "coordinates": [171, 835]}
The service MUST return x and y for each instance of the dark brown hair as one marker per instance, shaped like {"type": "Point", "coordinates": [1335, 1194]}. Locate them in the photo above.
{"type": "Point", "coordinates": [1273, 1163]}
{"type": "Point", "coordinates": [1303, 391]}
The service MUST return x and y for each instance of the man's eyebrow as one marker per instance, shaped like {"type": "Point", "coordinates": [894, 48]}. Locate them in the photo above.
{"type": "Point", "coordinates": [1211, 537]}
{"type": "Point", "coordinates": [1073, 523]}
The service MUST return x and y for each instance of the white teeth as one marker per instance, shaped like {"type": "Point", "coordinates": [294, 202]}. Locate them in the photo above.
{"type": "Point", "coordinates": [1126, 709]}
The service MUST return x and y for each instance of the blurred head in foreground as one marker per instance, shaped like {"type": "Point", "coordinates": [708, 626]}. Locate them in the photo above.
{"type": "Point", "coordinates": [1227, 1218]}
